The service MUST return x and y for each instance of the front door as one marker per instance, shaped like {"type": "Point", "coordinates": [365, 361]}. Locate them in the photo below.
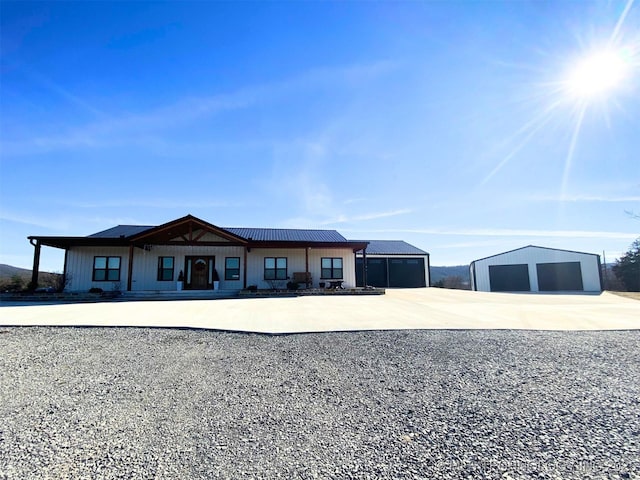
{"type": "Point", "coordinates": [199, 272]}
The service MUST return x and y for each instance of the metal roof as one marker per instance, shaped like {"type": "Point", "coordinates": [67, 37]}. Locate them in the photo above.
{"type": "Point", "coordinates": [287, 235]}
{"type": "Point", "coordinates": [391, 247]}
{"type": "Point", "coordinates": [257, 234]}
{"type": "Point", "coordinates": [121, 230]}
{"type": "Point", "coordinates": [535, 246]}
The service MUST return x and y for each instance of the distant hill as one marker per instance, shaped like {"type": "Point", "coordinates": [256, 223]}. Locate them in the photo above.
{"type": "Point", "coordinates": [7, 272]}
{"type": "Point", "coordinates": [440, 273]}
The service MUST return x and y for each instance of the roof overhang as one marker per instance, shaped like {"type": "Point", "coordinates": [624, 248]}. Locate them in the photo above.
{"type": "Point", "coordinates": [68, 242]}
{"type": "Point", "coordinates": [355, 246]}
{"type": "Point", "coordinates": [189, 230]}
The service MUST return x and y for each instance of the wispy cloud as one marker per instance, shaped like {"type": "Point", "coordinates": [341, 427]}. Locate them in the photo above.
{"type": "Point", "coordinates": [47, 222]}
{"type": "Point", "coordinates": [499, 232]}
{"type": "Point", "coordinates": [67, 224]}
{"type": "Point", "coordinates": [127, 128]}
{"type": "Point", "coordinates": [66, 94]}
{"type": "Point", "coordinates": [366, 216]}
{"type": "Point", "coordinates": [350, 201]}
{"type": "Point", "coordinates": [155, 203]}
{"type": "Point", "coordinates": [470, 244]}
{"type": "Point", "coordinates": [587, 198]}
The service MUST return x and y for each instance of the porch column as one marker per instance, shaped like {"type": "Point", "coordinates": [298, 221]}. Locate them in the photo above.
{"type": "Point", "coordinates": [64, 270]}
{"type": "Point", "coordinates": [244, 274]}
{"type": "Point", "coordinates": [36, 263]}
{"type": "Point", "coordinates": [364, 267]}
{"type": "Point", "coordinates": [306, 266]}
{"type": "Point", "coordinates": [130, 270]}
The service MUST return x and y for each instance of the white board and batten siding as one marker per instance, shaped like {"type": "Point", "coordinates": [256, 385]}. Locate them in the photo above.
{"type": "Point", "coordinates": [80, 262]}
{"type": "Point", "coordinates": [145, 265]}
{"type": "Point", "coordinates": [348, 264]}
{"type": "Point", "coordinates": [80, 267]}
{"type": "Point", "coordinates": [296, 262]}
{"type": "Point", "coordinates": [532, 256]}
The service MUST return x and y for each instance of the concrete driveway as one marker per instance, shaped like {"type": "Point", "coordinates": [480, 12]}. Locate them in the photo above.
{"type": "Point", "coordinates": [399, 309]}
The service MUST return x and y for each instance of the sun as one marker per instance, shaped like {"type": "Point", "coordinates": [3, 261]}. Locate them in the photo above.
{"type": "Point", "coordinates": [597, 74]}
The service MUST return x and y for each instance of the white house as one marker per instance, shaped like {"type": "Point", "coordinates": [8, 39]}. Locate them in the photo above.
{"type": "Point", "coordinates": [151, 258]}
{"type": "Point", "coordinates": [393, 263]}
{"type": "Point", "coordinates": [537, 269]}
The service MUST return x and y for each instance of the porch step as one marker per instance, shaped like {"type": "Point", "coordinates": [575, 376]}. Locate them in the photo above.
{"type": "Point", "coordinates": [178, 295]}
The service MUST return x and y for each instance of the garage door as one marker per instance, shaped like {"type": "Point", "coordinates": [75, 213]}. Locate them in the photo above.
{"type": "Point", "coordinates": [559, 277]}
{"type": "Point", "coordinates": [376, 272]}
{"type": "Point", "coordinates": [406, 272]}
{"type": "Point", "coordinates": [509, 278]}
{"type": "Point", "coordinates": [402, 272]}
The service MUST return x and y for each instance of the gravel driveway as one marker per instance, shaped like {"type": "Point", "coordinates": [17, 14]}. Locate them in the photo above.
{"type": "Point", "coordinates": [162, 403]}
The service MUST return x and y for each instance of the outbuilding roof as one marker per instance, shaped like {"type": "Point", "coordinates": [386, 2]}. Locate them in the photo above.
{"type": "Point", "coordinates": [534, 246]}
{"type": "Point", "coordinates": [391, 247]}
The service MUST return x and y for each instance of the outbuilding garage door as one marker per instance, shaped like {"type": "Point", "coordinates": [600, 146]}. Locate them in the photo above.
{"type": "Point", "coordinates": [400, 272]}
{"type": "Point", "coordinates": [509, 278]}
{"type": "Point", "coordinates": [559, 277]}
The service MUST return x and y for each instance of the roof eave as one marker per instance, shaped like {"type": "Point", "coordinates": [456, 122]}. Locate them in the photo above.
{"type": "Point", "coordinates": [355, 246]}
{"type": "Point", "coordinates": [68, 242]}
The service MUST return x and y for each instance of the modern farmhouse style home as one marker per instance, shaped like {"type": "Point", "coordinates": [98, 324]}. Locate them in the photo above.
{"type": "Point", "coordinates": [192, 254]}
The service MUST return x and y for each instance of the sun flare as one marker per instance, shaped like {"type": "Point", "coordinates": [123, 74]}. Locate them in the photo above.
{"type": "Point", "coordinates": [597, 74]}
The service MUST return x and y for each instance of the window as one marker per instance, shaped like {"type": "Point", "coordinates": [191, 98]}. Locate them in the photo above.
{"type": "Point", "coordinates": [165, 269]}
{"type": "Point", "coordinates": [275, 268]}
{"type": "Point", "coordinates": [106, 269]}
{"type": "Point", "coordinates": [331, 268]}
{"type": "Point", "coordinates": [232, 268]}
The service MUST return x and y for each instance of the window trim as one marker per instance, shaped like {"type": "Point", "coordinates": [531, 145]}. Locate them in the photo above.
{"type": "Point", "coordinates": [228, 271]}
{"type": "Point", "coordinates": [275, 270]}
{"type": "Point", "coordinates": [333, 269]}
{"type": "Point", "coordinates": [161, 269]}
{"type": "Point", "coordinates": [106, 269]}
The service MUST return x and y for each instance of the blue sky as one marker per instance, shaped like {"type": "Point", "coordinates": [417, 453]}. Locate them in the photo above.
{"type": "Point", "coordinates": [445, 124]}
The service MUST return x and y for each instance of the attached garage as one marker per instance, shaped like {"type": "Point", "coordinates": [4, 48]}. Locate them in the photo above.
{"type": "Point", "coordinates": [537, 269]}
{"type": "Point", "coordinates": [393, 263]}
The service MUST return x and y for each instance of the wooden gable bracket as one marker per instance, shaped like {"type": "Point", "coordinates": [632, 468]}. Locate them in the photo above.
{"type": "Point", "coordinates": [200, 235]}
{"type": "Point", "coordinates": [187, 230]}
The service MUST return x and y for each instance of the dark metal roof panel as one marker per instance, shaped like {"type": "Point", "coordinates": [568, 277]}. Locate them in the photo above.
{"type": "Point", "coordinates": [391, 247]}
{"type": "Point", "coordinates": [287, 235]}
{"type": "Point", "coordinates": [257, 234]}
{"type": "Point", "coordinates": [120, 230]}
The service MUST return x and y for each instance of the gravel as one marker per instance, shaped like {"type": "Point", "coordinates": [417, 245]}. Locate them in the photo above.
{"type": "Point", "coordinates": [167, 403]}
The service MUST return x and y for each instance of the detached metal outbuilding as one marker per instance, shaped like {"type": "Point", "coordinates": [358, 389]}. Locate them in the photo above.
{"type": "Point", "coordinates": [393, 263]}
{"type": "Point", "coordinates": [537, 269]}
